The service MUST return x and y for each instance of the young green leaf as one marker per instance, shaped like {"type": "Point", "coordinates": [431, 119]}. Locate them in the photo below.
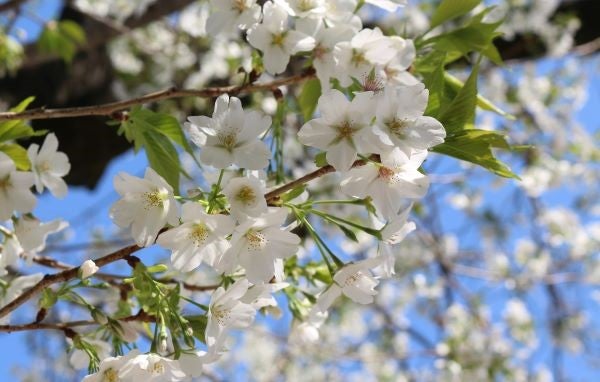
{"type": "Point", "coordinates": [451, 9]}
{"type": "Point", "coordinates": [61, 38]}
{"type": "Point", "coordinates": [308, 98]}
{"type": "Point", "coordinates": [456, 84]}
{"type": "Point", "coordinates": [475, 146]}
{"type": "Point", "coordinates": [460, 113]}
{"type": "Point", "coordinates": [18, 154]}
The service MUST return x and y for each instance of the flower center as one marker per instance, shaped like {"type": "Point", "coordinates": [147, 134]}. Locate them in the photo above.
{"type": "Point", "coordinates": [358, 57]}
{"type": "Point", "coordinates": [256, 241]}
{"type": "Point", "coordinates": [199, 234]}
{"type": "Point", "coordinates": [345, 130]}
{"type": "Point", "coordinates": [110, 375]}
{"type": "Point", "coordinates": [246, 195]}
{"type": "Point", "coordinates": [397, 126]}
{"type": "Point", "coordinates": [372, 82]}
{"type": "Point", "coordinates": [228, 140]}
{"type": "Point", "coordinates": [320, 51]}
{"type": "Point", "coordinates": [350, 280]}
{"type": "Point", "coordinates": [278, 39]}
{"type": "Point", "coordinates": [158, 368]}
{"type": "Point", "coordinates": [306, 5]}
{"type": "Point", "coordinates": [221, 315]}
{"type": "Point", "coordinates": [239, 6]}
{"type": "Point", "coordinates": [153, 199]}
{"type": "Point", "coordinates": [43, 167]}
{"type": "Point", "coordinates": [386, 173]}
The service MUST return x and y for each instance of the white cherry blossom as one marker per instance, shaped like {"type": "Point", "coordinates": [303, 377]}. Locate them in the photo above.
{"type": "Point", "coordinates": [325, 40]}
{"type": "Point", "coordinates": [201, 238]}
{"type": "Point", "coordinates": [227, 311]}
{"type": "Point", "coordinates": [32, 233]}
{"type": "Point", "coordinates": [246, 197]}
{"type": "Point", "coordinates": [388, 5]}
{"type": "Point", "coordinates": [151, 367]}
{"type": "Point", "coordinates": [231, 136]}
{"type": "Point", "coordinates": [232, 14]}
{"type": "Point", "coordinates": [274, 38]}
{"type": "Point", "coordinates": [400, 117]}
{"type": "Point", "coordinates": [14, 289]}
{"type": "Point", "coordinates": [303, 8]}
{"type": "Point", "coordinates": [344, 129]}
{"type": "Point", "coordinates": [110, 368]}
{"type": "Point", "coordinates": [396, 69]}
{"type": "Point", "coordinates": [356, 280]}
{"type": "Point", "coordinates": [146, 205]}
{"type": "Point", "coordinates": [390, 183]}
{"type": "Point", "coordinates": [357, 57]}
{"type": "Point", "coordinates": [257, 243]}
{"type": "Point", "coordinates": [15, 193]}
{"type": "Point", "coordinates": [341, 12]}
{"type": "Point", "coordinates": [49, 166]}
{"type": "Point", "coordinates": [392, 233]}
{"type": "Point", "coordinates": [353, 280]}
{"type": "Point", "coordinates": [28, 238]}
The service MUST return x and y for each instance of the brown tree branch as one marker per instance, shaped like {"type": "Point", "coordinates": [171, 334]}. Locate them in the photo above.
{"type": "Point", "coordinates": [114, 107]}
{"type": "Point", "coordinates": [141, 316]}
{"type": "Point", "coordinates": [272, 196]}
{"type": "Point", "coordinates": [63, 276]}
{"type": "Point", "coordinates": [51, 263]}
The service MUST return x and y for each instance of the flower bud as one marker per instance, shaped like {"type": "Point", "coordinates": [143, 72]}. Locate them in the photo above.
{"type": "Point", "coordinates": [87, 269]}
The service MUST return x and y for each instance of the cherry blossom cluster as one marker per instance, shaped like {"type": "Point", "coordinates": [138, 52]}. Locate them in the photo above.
{"type": "Point", "coordinates": [234, 230]}
{"type": "Point", "coordinates": [23, 234]}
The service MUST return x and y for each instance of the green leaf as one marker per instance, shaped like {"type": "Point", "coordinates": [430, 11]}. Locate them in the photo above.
{"type": "Point", "coordinates": [157, 133]}
{"type": "Point", "coordinates": [475, 36]}
{"type": "Point", "coordinates": [16, 129]}
{"type": "Point", "coordinates": [22, 105]}
{"type": "Point", "coordinates": [433, 77]}
{"type": "Point", "coordinates": [321, 159]}
{"type": "Point", "coordinates": [482, 102]}
{"type": "Point", "coordinates": [451, 9]}
{"type": "Point", "coordinates": [163, 157]}
{"type": "Point", "coordinates": [475, 146]}
{"type": "Point", "coordinates": [460, 113]}
{"type": "Point", "coordinates": [18, 154]}
{"type": "Point", "coordinates": [61, 38]}
{"type": "Point", "coordinates": [166, 124]}
{"type": "Point", "coordinates": [291, 195]}
{"type": "Point", "coordinates": [348, 233]}
{"type": "Point", "coordinates": [198, 324]}
{"type": "Point", "coordinates": [308, 98]}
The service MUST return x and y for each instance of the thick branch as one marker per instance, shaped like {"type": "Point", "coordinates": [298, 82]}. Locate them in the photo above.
{"type": "Point", "coordinates": [113, 107]}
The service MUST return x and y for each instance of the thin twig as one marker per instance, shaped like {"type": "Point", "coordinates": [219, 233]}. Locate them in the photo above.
{"type": "Point", "coordinates": [111, 108]}
{"type": "Point", "coordinates": [271, 196]}
{"type": "Point", "coordinates": [141, 316]}
{"type": "Point", "coordinates": [63, 276]}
